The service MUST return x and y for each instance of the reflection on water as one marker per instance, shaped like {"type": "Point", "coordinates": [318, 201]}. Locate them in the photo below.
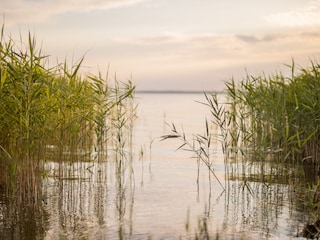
{"type": "Point", "coordinates": [152, 193]}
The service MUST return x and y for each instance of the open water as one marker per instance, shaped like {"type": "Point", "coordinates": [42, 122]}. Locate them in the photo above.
{"type": "Point", "coordinates": [158, 196]}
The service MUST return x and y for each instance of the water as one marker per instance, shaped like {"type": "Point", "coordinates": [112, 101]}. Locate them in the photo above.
{"type": "Point", "coordinates": [158, 196]}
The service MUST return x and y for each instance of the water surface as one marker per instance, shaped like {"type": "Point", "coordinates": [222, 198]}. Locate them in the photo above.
{"type": "Point", "coordinates": [157, 196]}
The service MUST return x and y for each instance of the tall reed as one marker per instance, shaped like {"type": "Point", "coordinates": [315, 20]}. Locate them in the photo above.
{"type": "Point", "coordinates": [278, 114]}
{"type": "Point", "coordinates": [53, 113]}
{"type": "Point", "coordinates": [199, 145]}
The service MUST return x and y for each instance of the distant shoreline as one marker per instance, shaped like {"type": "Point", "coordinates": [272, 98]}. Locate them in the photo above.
{"type": "Point", "coordinates": [176, 92]}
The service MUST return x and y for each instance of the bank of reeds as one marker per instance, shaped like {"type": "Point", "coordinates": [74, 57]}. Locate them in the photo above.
{"type": "Point", "coordinates": [53, 113]}
{"type": "Point", "coordinates": [277, 115]}
{"type": "Point", "coordinates": [269, 130]}
{"type": "Point", "coordinates": [265, 122]}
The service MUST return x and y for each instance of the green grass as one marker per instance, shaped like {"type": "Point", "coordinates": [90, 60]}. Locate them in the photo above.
{"type": "Point", "coordinates": [269, 130]}
{"type": "Point", "coordinates": [54, 113]}
{"type": "Point", "coordinates": [268, 127]}
{"type": "Point", "coordinates": [278, 114]}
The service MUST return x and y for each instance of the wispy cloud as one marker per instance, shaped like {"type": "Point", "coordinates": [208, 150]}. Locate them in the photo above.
{"type": "Point", "coordinates": [203, 57]}
{"type": "Point", "coordinates": [256, 39]}
{"type": "Point", "coordinates": [306, 16]}
{"type": "Point", "coordinates": [17, 11]}
{"type": "Point", "coordinates": [212, 51]}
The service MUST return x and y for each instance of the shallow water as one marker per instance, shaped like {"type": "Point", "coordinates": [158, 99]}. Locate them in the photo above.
{"type": "Point", "coordinates": [157, 196]}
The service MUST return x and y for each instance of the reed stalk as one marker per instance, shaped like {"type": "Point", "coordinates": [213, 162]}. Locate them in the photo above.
{"type": "Point", "coordinates": [279, 115]}
{"type": "Point", "coordinates": [199, 145]}
{"type": "Point", "coordinates": [54, 114]}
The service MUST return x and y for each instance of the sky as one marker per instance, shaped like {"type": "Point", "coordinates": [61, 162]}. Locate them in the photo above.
{"type": "Point", "coordinates": [171, 44]}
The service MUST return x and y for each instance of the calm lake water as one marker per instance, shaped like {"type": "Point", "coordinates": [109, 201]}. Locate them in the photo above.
{"type": "Point", "coordinates": [158, 196]}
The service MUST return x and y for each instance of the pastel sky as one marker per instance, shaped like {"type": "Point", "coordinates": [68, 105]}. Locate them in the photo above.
{"type": "Point", "coordinates": [171, 44]}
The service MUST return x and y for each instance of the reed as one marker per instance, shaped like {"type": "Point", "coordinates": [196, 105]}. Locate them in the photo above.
{"type": "Point", "coordinates": [199, 145]}
{"type": "Point", "coordinates": [54, 114]}
{"type": "Point", "coordinates": [268, 129]}
{"type": "Point", "coordinates": [279, 115]}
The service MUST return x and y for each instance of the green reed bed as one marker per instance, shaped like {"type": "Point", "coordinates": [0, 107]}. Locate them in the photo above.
{"type": "Point", "coordinates": [277, 114]}
{"type": "Point", "coordinates": [270, 124]}
{"type": "Point", "coordinates": [54, 113]}
{"type": "Point", "coordinates": [268, 127]}
{"type": "Point", "coordinates": [273, 117]}
{"type": "Point", "coordinates": [270, 131]}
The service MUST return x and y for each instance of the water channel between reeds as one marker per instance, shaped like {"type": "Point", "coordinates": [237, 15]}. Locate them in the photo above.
{"type": "Point", "coordinates": [157, 196]}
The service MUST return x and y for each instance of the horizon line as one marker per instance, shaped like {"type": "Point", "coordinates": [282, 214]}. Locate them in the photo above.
{"type": "Point", "coordinates": [178, 91]}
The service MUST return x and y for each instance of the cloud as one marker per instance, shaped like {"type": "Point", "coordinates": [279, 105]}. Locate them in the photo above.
{"type": "Point", "coordinates": [306, 16]}
{"type": "Point", "coordinates": [188, 59]}
{"type": "Point", "coordinates": [248, 38]}
{"type": "Point", "coordinates": [17, 11]}
{"type": "Point", "coordinates": [161, 39]}
{"type": "Point", "coordinates": [192, 40]}
{"type": "Point", "coordinates": [214, 51]}
{"type": "Point", "coordinates": [256, 39]}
